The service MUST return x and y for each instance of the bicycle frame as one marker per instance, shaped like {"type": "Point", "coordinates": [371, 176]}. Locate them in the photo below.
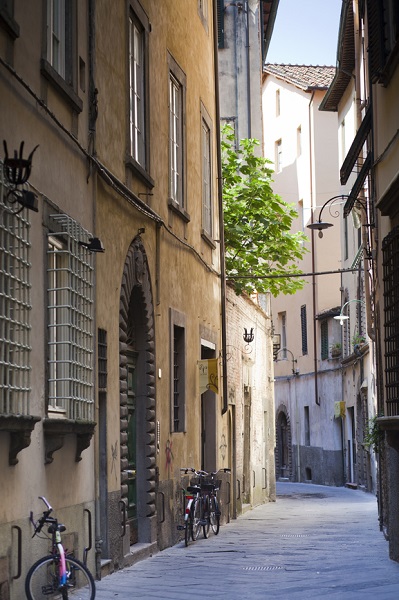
{"type": "Point", "coordinates": [57, 549]}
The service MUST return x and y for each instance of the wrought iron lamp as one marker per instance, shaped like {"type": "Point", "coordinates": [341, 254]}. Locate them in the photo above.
{"type": "Point", "coordinates": [341, 317]}
{"type": "Point", "coordinates": [248, 336]}
{"type": "Point", "coordinates": [294, 360]}
{"type": "Point", "coordinates": [17, 171]}
{"type": "Point", "coordinates": [321, 225]}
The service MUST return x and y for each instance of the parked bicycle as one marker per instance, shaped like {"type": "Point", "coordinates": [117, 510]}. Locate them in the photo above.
{"type": "Point", "coordinates": [58, 575]}
{"type": "Point", "coordinates": [194, 517]}
{"type": "Point", "coordinates": [210, 486]}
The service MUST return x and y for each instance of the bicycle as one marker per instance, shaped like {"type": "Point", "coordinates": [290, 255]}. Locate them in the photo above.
{"type": "Point", "coordinates": [210, 485]}
{"type": "Point", "coordinates": [58, 575]}
{"type": "Point", "coordinates": [193, 514]}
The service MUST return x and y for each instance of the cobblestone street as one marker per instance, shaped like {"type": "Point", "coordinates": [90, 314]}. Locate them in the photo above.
{"type": "Point", "coordinates": [314, 542]}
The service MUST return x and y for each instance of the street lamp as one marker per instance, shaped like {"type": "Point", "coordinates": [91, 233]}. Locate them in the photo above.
{"type": "Point", "coordinates": [294, 360]}
{"type": "Point", "coordinates": [320, 225]}
{"type": "Point", "coordinates": [341, 317]}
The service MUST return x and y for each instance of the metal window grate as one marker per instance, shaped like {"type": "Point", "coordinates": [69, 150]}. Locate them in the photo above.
{"type": "Point", "coordinates": [15, 306]}
{"type": "Point", "coordinates": [324, 340]}
{"type": "Point", "coordinates": [390, 248]}
{"type": "Point", "coordinates": [102, 359]}
{"type": "Point", "coordinates": [70, 320]}
{"type": "Point", "coordinates": [304, 330]}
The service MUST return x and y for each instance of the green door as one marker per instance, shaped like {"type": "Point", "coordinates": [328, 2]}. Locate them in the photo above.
{"type": "Point", "coordinates": [131, 441]}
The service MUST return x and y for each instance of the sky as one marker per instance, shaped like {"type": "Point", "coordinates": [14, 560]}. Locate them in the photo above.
{"type": "Point", "coordinates": [305, 32]}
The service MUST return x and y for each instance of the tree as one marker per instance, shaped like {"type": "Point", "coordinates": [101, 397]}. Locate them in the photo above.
{"type": "Point", "coordinates": [257, 223]}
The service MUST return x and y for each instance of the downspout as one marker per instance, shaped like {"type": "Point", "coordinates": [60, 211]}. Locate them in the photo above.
{"type": "Point", "coordinates": [92, 139]}
{"type": "Point", "coordinates": [221, 220]}
{"type": "Point", "coordinates": [316, 386]}
{"type": "Point", "coordinates": [247, 50]}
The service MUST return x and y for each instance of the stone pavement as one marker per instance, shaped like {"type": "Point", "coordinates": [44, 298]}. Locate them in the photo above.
{"type": "Point", "coordinates": [314, 542]}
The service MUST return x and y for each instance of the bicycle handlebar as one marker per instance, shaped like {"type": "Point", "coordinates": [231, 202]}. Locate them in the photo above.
{"type": "Point", "coordinates": [38, 525]}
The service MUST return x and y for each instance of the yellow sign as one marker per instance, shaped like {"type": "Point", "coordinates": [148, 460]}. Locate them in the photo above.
{"type": "Point", "coordinates": [208, 375]}
{"type": "Point", "coordinates": [339, 409]}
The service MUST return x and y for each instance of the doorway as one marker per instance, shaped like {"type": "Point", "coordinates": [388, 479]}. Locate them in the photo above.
{"type": "Point", "coordinates": [208, 420]}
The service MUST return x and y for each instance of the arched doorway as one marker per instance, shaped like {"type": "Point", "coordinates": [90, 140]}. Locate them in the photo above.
{"type": "Point", "coordinates": [283, 444]}
{"type": "Point", "coordinates": [137, 396]}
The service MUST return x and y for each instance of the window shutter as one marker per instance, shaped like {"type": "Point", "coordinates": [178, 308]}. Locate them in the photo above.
{"type": "Point", "coordinates": [220, 14]}
{"type": "Point", "coordinates": [376, 38]}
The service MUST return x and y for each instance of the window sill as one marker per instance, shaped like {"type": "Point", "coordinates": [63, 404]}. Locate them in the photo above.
{"type": "Point", "coordinates": [208, 239]}
{"type": "Point", "coordinates": [55, 430]}
{"type": "Point", "coordinates": [20, 428]}
{"type": "Point", "coordinates": [139, 172]}
{"type": "Point", "coordinates": [9, 24]}
{"type": "Point", "coordinates": [176, 208]}
{"type": "Point", "coordinates": [61, 86]}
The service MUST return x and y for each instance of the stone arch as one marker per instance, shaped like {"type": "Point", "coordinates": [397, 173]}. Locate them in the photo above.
{"type": "Point", "coordinates": [136, 321]}
{"type": "Point", "coordinates": [283, 456]}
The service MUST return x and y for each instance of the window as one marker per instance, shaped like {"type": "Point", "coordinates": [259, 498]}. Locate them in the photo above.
{"type": "Point", "coordinates": [307, 426]}
{"type": "Point", "coordinates": [279, 156]}
{"type": "Point", "coordinates": [70, 290]}
{"type": "Point", "coordinates": [324, 339]}
{"type": "Point", "coordinates": [383, 19]}
{"type": "Point", "coordinates": [178, 371]}
{"type": "Point", "coordinates": [282, 317]}
{"type": "Point", "coordinates": [15, 308]}
{"type": "Point", "coordinates": [206, 139]}
{"type": "Point", "coordinates": [299, 141]}
{"type": "Point", "coordinates": [177, 94]}
{"type": "Point", "coordinates": [304, 330]}
{"type": "Point", "coordinates": [390, 247]}
{"type": "Point", "coordinates": [278, 106]}
{"type": "Point", "coordinates": [220, 14]}
{"type": "Point", "coordinates": [7, 18]}
{"type": "Point", "coordinates": [59, 64]}
{"type": "Point", "coordinates": [138, 48]}
{"type": "Point", "coordinates": [56, 35]}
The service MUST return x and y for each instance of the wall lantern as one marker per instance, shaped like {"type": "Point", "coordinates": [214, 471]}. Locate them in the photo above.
{"type": "Point", "coordinates": [276, 344]}
{"type": "Point", "coordinates": [93, 245]}
{"type": "Point", "coordinates": [248, 336]}
{"type": "Point", "coordinates": [341, 317]}
{"type": "Point", "coordinates": [17, 171]}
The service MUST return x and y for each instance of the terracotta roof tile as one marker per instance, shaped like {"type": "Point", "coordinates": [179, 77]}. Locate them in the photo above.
{"type": "Point", "coordinates": [303, 76]}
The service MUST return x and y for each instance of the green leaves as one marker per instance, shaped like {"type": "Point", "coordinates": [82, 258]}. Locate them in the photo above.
{"type": "Point", "coordinates": [257, 223]}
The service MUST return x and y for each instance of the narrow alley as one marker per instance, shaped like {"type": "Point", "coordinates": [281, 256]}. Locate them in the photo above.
{"type": "Point", "coordinates": [314, 542]}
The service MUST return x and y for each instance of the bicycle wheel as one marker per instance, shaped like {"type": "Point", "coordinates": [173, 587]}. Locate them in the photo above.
{"type": "Point", "coordinates": [189, 529]}
{"type": "Point", "coordinates": [214, 515]}
{"type": "Point", "coordinates": [206, 524]}
{"type": "Point", "coordinates": [42, 580]}
{"type": "Point", "coordinates": [196, 512]}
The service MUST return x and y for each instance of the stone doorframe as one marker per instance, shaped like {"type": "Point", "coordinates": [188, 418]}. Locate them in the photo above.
{"type": "Point", "coordinates": [136, 277]}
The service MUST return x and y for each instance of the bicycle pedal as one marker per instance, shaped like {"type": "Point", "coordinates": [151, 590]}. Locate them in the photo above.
{"type": "Point", "coordinates": [181, 527]}
{"type": "Point", "coordinates": [203, 522]}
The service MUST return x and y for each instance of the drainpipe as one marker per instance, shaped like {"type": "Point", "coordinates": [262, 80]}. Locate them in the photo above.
{"type": "Point", "coordinates": [316, 387]}
{"type": "Point", "coordinates": [247, 50]}
{"type": "Point", "coordinates": [92, 134]}
{"type": "Point", "coordinates": [221, 220]}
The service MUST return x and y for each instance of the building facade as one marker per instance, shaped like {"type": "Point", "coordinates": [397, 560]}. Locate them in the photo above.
{"type": "Point", "coordinates": [302, 143]}
{"type": "Point", "coordinates": [243, 37]}
{"type": "Point", "coordinates": [100, 351]}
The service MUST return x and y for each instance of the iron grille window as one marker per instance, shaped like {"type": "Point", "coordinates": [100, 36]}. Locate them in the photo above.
{"type": "Point", "coordinates": [220, 13]}
{"type": "Point", "coordinates": [324, 339]}
{"type": "Point", "coordinates": [390, 248]}
{"type": "Point", "coordinates": [304, 330]}
{"type": "Point", "coordinates": [15, 306]}
{"type": "Point", "coordinates": [70, 280]}
{"type": "Point", "coordinates": [178, 378]}
{"type": "Point", "coordinates": [102, 359]}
